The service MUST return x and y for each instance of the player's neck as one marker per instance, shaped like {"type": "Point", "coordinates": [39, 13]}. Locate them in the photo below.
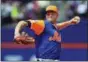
{"type": "Point", "coordinates": [53, 22]}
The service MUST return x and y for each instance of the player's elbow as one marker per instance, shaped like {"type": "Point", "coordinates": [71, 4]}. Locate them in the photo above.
{"type": "Point", "coordinates": [22, 23]}
{"type": "Point", "coordinates": [20, 26]}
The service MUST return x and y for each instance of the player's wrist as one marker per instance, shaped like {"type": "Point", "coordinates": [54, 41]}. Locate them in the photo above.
{"type": "Point", "coordinates": [70, 22]}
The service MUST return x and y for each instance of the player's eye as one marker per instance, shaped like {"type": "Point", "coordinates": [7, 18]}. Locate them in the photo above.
{"type": "Point", "coordinates": [48, 14]}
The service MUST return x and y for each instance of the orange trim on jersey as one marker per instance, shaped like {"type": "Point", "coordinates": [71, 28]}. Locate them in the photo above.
{"type": "Point", "coordinates": [37, 26]}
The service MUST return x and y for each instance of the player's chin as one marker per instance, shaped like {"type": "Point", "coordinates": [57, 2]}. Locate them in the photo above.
{"type": "Point", "coordinates": [49, 19]}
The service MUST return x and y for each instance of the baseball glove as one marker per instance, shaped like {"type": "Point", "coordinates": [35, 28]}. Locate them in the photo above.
{"type": "Point", "coordinates": [23, 39]}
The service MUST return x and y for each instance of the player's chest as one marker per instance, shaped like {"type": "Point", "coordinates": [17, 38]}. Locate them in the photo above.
{"type": "Point", "coordinates": [56, 35]}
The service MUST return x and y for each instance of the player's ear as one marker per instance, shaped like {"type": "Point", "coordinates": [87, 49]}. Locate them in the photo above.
{"type": "Point", "coordinates": [57, 14]}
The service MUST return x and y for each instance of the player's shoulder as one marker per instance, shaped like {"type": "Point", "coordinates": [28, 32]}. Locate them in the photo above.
{"type": "Point", "coordinates": [40, 22]}
{"type": "Point", "coordinates": [43, 22]}
{"type": "Point", "coordinates": [38, 26]}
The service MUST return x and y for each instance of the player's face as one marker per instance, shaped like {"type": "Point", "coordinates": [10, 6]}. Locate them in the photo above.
{"type": "Point", "coordinates": [51, 16]}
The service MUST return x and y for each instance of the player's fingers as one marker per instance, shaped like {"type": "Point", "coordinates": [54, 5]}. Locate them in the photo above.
{"type": "Point", "coordinates": [77, 18]}
{"type": "Point", "coordinates": [25, 42]}
{"type": "Point", "coordinates": [17, 42]}
{"type": "Point", "coordinates": [30, 40]}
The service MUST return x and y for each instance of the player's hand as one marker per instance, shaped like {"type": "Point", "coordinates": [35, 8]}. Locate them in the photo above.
{"type": "Point", "coordinates": [75, 20]}
{"type": "Point", "coordinates": [23, 38]}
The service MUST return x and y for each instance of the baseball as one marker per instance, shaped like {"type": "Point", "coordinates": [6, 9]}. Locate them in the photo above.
{"type": "Point", "coordinates": [75, 20]}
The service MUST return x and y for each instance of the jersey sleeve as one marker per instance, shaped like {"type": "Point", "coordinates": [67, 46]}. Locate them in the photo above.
{"type": "Point", "coordinates": [37, 26]}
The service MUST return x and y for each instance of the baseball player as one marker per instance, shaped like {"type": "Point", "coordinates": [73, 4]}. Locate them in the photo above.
{"type": "Point", "coordinates": [47, 36]}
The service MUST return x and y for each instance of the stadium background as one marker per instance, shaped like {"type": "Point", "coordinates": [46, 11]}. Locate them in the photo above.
{"type": "Point", "coordinates": [74, 38]}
